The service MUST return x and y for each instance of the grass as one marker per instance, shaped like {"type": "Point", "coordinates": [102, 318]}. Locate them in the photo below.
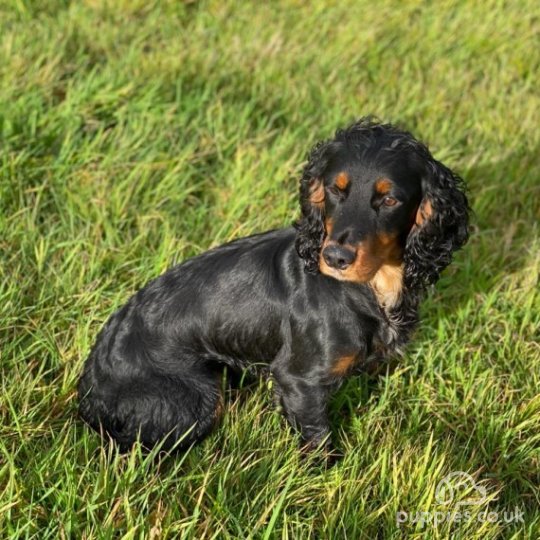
{"type": "Point", "coordinates": [135, 134]}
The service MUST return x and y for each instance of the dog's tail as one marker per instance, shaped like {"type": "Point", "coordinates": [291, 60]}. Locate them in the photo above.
{"type": "Point", "coordinates": [154, 410]}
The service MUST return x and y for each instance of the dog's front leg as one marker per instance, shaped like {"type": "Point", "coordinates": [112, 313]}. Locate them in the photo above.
{"type": "Point", "coordinates": [305, 406]}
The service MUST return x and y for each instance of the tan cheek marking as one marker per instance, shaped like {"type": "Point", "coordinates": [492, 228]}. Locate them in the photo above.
{"type": "Point", "coordinates": [323, 267]}
{"type": "Point", "coordinates": [361, 271]}
{"type": "Point", "coordinates": [424, 212]}
{"type": "Point", "coordinates": [383, 186]}
{"type": "Point", "coordinates": [329, 226]}
{"type": "Point", "coordinates": [371, 255]}
{"type": "Point", "coordinates": [387, 248]}
{"type": "Point", "coordinates": [316, 194]}
{"type": "Point", "coordinates": [342, 180]}
{"type": "Point", "coordinates": [343, 364]}
{"type": "Point", "coordinates": [386, 239]}
{"type": "Point", "coordinates": [365, 263]}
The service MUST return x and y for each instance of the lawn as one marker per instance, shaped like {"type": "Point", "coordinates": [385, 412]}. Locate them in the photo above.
{"type": "Point", "coordinates": [135, 134]}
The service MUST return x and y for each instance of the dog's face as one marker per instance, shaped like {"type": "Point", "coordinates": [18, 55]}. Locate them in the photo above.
{"type": "Point", "coordinates": [369, 211]}
{"type": "Point", "coordinates": [374, 198]}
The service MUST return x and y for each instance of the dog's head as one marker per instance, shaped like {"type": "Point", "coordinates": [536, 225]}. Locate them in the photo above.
{"type": "Point", "coordinates": [376, 203]}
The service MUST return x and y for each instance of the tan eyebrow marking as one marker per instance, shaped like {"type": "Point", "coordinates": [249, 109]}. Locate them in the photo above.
{"type": "Point", "coordinates": [342, 180]}
{"type": "Point", "coordinates": [383, 186]}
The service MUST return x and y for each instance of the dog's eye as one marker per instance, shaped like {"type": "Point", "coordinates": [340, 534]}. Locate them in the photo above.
{"type": "Point", "coordinates": [389, 201]}
{"type": "Point", "coordinates": [334, 190]}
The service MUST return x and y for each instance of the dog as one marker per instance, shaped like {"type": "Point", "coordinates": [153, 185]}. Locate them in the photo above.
{"type": "Point", "coordinates": [311, 303]}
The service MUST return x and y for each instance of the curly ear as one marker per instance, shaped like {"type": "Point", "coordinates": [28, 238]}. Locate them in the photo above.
{"type": "Point", "coordinates": [310, 227]}
{"type": "Point", "coordinates": [440, 227]}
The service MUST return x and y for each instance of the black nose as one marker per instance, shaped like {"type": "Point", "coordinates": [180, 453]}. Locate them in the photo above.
{"type": "Point", "coordinates": [338, 256]}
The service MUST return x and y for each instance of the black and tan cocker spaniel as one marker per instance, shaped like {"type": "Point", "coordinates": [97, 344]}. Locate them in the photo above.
{"type": "Point", "coordinates": [312, 303]}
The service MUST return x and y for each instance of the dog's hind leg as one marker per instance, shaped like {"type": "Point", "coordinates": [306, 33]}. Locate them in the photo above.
{"type": "Point", "coordinates": [154, 409]}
